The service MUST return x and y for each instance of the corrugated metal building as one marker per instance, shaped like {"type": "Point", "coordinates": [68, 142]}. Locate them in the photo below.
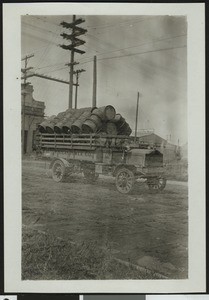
{"type": "Point", "coordinates": [171, 152]}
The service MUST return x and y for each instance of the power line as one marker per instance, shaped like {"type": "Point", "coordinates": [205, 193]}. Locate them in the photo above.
{"type": "Point", "coordinates": [49, 66]}
{"type": "Point", "coordinates": [45, 21]}
{"type": "Point", "coordinates": [46, 51]}
{"type": "Point", "coordinates": [67, 67]}
{"type": "Point", "coordinates": [110, 25]}
{"type": "Point", "coordinates": [39, 28]}
{"type": "Point", "coordinates": [61, 63]}
{"type": "Point", "coordinates": [56, 70]}
{"type": "Point", "coordinates": [86, 62]}
{"type": "Point", "coordinates": [63, 68]}
{"type": "Point", "coordinates": [90, 48]}
{"type": "Point", "coordinates": [138, 53]}
{"type": "Point", "coordinates": [39, 49]}
{"type": "Point", "coordinates": [131, 54]}
{"type": "Point", "coordinates": [117, 50]}
{"type": "Point", "coordinates": [141, 44]}
{"type": "Point", "coordinates": [121, 23]}
{"type": "Point", "coordinates": [147, 43]}
{"type": "Point", "coordinates": [112, 51]}
{"type": "Point", "coordinates": [135, 46]}
{"type": "Point", "coordinates": [37, 37]}
{"type": "Point", "coordinates": [136, 20]}
{"type": "Point", "coordinates": [39, 18]}
{"type": "Point", "coordinates": [99, 40]}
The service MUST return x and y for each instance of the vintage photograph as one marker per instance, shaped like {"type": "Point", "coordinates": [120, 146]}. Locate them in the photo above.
{"type": "Point", "coordinates": [104, 147]}
{"type": "Point", "coordinates": [106, 110]}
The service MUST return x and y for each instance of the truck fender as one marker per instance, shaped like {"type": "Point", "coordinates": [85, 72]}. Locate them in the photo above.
{"type": "Point", "coordinates": [130, 167]}
{"type": "Point", "coordinates": [64, 161]}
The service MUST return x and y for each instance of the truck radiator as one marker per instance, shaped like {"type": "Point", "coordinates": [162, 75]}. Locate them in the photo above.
{"type": "Point", "coordinates": [154, 159]}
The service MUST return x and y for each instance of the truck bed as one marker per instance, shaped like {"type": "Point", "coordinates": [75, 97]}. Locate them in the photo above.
{"type": "Point", "coordinates": [85, 141]}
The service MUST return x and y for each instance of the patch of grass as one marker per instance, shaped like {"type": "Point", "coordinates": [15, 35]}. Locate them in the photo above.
{"type": "Point", "coordinates": [46, 257]}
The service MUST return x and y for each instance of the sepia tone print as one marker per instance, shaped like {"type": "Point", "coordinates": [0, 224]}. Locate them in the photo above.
{"type": "Point", "coordinates": [104, 147]}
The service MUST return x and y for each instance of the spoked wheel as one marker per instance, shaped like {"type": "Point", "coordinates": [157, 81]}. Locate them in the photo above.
{"type": "Point", "coordinates": [90, 175]}
{"type": "Point", "coordinates": [156, 184]}
{"type": "Point", "coordinates": [58, 171]}
{"type": "Point", "coordinates": [125, 180]}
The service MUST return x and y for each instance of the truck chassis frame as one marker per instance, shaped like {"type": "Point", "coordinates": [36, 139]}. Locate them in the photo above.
{"type": "Point", "coordinates": [87, 155]}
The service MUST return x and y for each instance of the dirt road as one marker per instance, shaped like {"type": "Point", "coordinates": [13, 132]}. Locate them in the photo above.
{"type": "Point", "coordinates": [144, 229]}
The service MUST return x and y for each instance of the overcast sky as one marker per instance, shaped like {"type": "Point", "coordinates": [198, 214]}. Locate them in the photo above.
{"type": "Point", "coordinates": [134, 53]}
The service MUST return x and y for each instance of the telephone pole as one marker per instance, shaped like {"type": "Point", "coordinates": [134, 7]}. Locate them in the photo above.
{"type": "Point", "coordinates": [75, 42]}
{"type": "Point", "coordinates": [71, 70]}
{"type": "Point", "coordinates": [94, 97]}
{"type": "Point", "coordinates": [77, 72]}
{"type": "Point", "coordinates": [24, 71]}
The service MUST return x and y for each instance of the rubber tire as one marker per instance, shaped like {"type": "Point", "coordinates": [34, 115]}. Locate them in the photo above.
{"type": "Point", "coordinates": [157, 187]}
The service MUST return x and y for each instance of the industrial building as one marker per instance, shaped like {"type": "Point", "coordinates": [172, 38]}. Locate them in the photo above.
{"type": "Point", "coordinates": [171, 152]}
{"type": "Point", "coordinates": [32, 115]}
{"type": "Point", "coordinates": [174, 157]}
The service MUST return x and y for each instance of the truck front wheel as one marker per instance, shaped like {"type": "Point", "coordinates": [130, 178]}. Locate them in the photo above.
{"type": "Point", "coordinates": [156, 184]}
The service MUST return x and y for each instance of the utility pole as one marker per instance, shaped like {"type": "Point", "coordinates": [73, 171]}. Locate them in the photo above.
{"type": "Point", "coordinates": [136, 124]}
{"type": "Point", "coordinates": [75, 42]}
{"type": "Point", "coordinates": [77, 72]}
{"type": "Point", "coordinates": [33, 74]}
{"type": "Point", "coordinates": [24, 71]}
{"type": "Point", "coordinates": [94, 97]}
{"type": "Point", "coordinates": [71, 71]}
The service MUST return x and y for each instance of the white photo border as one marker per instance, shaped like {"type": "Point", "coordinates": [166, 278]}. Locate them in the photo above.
{"type": "Point", "coordinates": [12, 148]}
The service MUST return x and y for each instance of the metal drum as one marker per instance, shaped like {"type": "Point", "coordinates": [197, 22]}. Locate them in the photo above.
{"type": "Point", "coordinates": [59, 125]}
{"type": "Point", "coordinates": [105, 113]}
{"type": "Point", "coordinates": [125, 129]}
{"type": "Point", "coordinates": [111, 128]}
{"type": "Point", "coordinates": [118, 120]}
{"type": "Point", "coordinates": [53, 122]}
{"type": "Point", "coordinates": [66, 128]}
{"type": "Point", "coordinates": [77, 125]}
{"type": "Point", "coordinates": [89, 127]}
{"type": "Point", "coordinates": [96, 120]}
{"type": "Point", "coordinates": [42, 126]}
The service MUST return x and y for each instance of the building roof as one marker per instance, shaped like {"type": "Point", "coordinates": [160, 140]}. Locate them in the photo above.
{"type": "Point", "coordinates": [155, 139]}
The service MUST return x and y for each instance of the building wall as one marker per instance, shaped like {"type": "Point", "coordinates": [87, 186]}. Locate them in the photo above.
{"type": "Point", "coordinates": [34, 115]}
{"type": "Point", "coordinates": [170, 151]}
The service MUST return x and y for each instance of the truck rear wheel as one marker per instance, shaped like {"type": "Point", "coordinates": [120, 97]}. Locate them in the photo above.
{"type": "Point", "coordinates": [125, 180]}
{"type": "Point", "coordinates": [58, 171]}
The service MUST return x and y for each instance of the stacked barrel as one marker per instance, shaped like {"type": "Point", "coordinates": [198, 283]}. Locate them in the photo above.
{"type": "Point", "coordinates": [87, 120]}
